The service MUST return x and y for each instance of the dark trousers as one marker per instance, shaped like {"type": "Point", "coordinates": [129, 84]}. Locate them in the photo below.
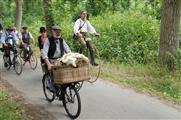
{"type": "Point", "coordinates": [91, 51]}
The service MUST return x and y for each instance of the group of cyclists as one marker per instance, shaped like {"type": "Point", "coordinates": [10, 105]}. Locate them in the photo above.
{"type": "Point", "coordinates": [51, 47]}
{"type": "Point", "coordinates": [12, 38]}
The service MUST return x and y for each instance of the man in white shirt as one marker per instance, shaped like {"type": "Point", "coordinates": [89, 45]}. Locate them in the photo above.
{"type": "Point", "coordinates": [81, 28]}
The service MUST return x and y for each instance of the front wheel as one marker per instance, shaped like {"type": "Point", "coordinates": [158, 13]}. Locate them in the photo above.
{"type": "Point", "coordinates": [94, 70]}
{"type": "Point", "coordinates": [18, 66]}
{"type": "Point", "coordinates": [46, 82]}
{"type": "Point", "coordinates": [33, 61]}
{"type": "Point", "coordinates": [71, 101]}
{"type": "Point", "coordinates": [7, 61]}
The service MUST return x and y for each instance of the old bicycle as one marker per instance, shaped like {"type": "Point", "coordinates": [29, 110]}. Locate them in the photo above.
{"type": "Point", "coordinates": [26, 53]}
{"type": "Point", "coordinates": [15, 61]}
{"type": "Point", "coordinates": [66, 81]}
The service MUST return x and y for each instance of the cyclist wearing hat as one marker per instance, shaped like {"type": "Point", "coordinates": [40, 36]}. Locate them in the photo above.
{"type": "Point", "coordinates": [26, 40]}
{"type": "Point", "coordinates": [82, 28]}
{"type": "Point", "coordinates": [54, 47]}
{"type": "Point", "coordinates": [8, 39]}
{"type": "Point", "coordinates": [27, 37]}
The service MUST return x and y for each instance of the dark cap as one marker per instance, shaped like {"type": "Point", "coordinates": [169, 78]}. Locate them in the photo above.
{"type": "Point", "coordinates": [42, 29]}
{"type": "Point", "coordinates": [9, 28]}
{"type": "Point", "coordinates": [24, 28]}
{"type": "Point", "coordinates": [56, 27]}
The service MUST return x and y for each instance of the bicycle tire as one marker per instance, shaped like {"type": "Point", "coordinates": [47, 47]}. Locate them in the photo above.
{"type": "Point", "coordinates": [66, 100]}
{"type": "Point", "coordinates": [97, 68]}
{"type": "Point", "coordinates": [45, 89]}
{"type": "Point", "coordinates": [9, 63]}
{"type": "Point", "coordinates": [95, 76]}
{"type": "Point", "coordinates": [30, 61]}
{"type": "Point", "coordinates": [15, 63]}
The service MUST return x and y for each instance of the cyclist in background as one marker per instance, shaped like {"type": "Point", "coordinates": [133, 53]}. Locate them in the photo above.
{"type": "Point", "coordinates": [81, 28]}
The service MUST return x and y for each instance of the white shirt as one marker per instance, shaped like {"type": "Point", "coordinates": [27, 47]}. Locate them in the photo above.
{"type": "Point", "coordinates": [87, 27]}
{"type": "Point", "coordinates": [57, 53]}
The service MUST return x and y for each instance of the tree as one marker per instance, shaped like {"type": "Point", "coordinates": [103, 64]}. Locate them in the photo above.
{"type": "Point", "coordinates": [19, 7]}
{"type": "Point", "coordinates": [47, 4]}
{"type": "Point", "coordinates": [169, 36]}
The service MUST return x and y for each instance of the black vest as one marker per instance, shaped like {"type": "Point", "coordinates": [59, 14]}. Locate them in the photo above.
{"type": "Point", "coordinates": [26, 37]}
{"type": "Point", "coordinates": [52, 47]}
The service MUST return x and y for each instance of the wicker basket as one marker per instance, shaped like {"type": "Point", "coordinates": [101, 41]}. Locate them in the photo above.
{"type": "Point", "coordinates": [68, 74]}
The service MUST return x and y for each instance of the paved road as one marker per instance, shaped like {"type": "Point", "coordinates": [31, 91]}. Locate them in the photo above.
{"type": "Point", "coordinates": [101, 100]}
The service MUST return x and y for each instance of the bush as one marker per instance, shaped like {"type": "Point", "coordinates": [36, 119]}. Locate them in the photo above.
{"type": "Point", "coordinates": [128, 38]}
{"type": "Point", "coordinates": [125, 38]}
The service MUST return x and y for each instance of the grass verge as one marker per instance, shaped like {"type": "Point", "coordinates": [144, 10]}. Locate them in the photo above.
{"type": "Point", "coordinates": [149, 79]}
{"type": "Point", "coordinates": [9, 109]}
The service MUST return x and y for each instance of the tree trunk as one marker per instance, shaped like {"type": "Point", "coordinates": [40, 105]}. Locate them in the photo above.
{"type": "Point", "coordinates": [169, 36]}
{"type": "Point", "coordinates": [48, 15]}
{"type": "Point", "coordinates": [19, 10]}
{"type": "Point", "coordinates": [113, 6]}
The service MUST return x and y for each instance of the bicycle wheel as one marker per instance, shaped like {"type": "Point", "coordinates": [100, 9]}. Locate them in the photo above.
{"type": "Point", "coordinates": [48, 94]}
{"type": "Point", "coordinates": [33, 61]}
{"type": "Point", "coordinates": [71, 101]}
{"type": "Point", "coordinates": [8, 62]}
{"type": "Point", "coordinates": [94, 70]}
{"type": "Point", "coordinates": [17, 64]}
{"type": "Point", "coordinates": [21, 53]}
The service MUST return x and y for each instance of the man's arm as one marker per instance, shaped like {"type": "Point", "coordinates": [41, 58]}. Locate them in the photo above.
{"type": "Point", "coordinates": [90, 28]}
{"type": "Point", "coordinates": [3, 38]}
{"type": "Point", "coordinates": [66, 47]}
{"type": "Point", "coordinates": [45, 53]}
{"type": "Point", "coordinates": [31, 37]}
{"type": "Point", "coordinates": [76, 27]}
{"type": "Point", "coordinates": [15, 39]}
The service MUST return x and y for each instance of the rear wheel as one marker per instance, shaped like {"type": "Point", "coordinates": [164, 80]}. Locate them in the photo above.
{"type": "Point", "coordinates": [48, 94]}
{"type": "Point", "coordinates": [71, 101]}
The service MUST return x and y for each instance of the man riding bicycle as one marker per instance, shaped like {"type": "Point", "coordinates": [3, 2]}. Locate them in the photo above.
{"type": "Point", "coordinates": [8, 39]}
{"type": "Point", "coordinates": [81, 28]}
{"type": "Point", "coordinates": [26, 41]}
{"type": "Point", "coordinates": [54, 48]}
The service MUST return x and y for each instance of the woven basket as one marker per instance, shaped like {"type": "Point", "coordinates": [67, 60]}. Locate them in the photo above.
{"type": "Point", "coordinates": [68, 74]}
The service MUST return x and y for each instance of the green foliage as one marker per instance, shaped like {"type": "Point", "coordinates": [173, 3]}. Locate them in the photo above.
{"type": "Point", "coordinates": [151, 79]}
{"type": "Point", "coordinates": [123, 38]}
{"type": "Point", "coordinates": [9, 110]}
{"type": "Point", "coordinates": [126, 39]}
